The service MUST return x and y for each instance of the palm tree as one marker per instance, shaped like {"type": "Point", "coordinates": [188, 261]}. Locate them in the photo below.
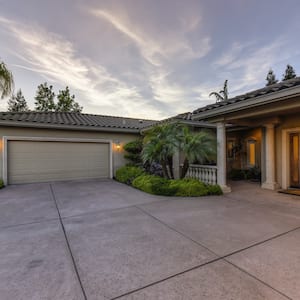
{"type": "Point", "coordinates": [222, 95]}
{"type": "Point", "coordinates": [160, 144]}
{"type": "Point", "coordinates": [199, 147]}
{"type": "Point", "coordinates": [6, 81]}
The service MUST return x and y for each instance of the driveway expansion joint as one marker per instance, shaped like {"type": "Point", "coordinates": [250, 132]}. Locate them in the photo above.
{"type": "Point", "coordinates": [68, 244]}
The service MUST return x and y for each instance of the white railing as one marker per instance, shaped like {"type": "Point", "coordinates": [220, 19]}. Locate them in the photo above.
{"type": "Point", "coordinates": [204, 173]}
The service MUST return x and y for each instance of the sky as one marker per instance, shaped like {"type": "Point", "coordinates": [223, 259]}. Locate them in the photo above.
{"type": "Point", "coordinates": [148, 59]}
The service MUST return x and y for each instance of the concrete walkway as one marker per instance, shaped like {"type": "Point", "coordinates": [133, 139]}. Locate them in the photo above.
{"type": "Point", "coordinates": [104, 240]}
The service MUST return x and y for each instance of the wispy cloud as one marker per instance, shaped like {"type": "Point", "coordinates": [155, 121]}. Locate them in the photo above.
{"type": "Point", "coordinates": [56, 59]}
{"type": "Point", "coordinates": [161, 53]}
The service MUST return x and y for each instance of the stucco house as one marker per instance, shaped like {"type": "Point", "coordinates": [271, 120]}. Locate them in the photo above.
{"type": "Point", "coordinates": [258, 129]}
{"type": "Point", "coordinates": [40, 147]}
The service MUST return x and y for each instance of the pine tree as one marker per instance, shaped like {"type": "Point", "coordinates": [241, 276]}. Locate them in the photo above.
{"type": "Point", "coordinates": [44, 99]}
{"type": "Point", "coordinates": [66, 102]}
{"type": "Point", "coordinates": [17, 103]}
{"type": "Point", "coordinates": [271, 78]}
{"type": "Point", "coordinates": [289, 73]}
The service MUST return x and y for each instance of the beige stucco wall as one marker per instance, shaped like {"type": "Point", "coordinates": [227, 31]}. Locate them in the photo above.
{"type": "Point", "coordinates": [118, 154]}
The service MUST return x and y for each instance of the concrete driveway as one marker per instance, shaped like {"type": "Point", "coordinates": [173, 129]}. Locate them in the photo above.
{"type": "Point", "coordinates": [104, 240]}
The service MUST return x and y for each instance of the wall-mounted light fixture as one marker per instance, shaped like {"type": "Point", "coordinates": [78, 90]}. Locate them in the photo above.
{"type": "Point", "coordinates": [117, 145]}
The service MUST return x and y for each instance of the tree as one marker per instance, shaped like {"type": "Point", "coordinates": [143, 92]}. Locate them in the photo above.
{"type": "Point", "coordinates": [134, 149]}
{"type": "Point", "coordinates": [222, 95]}
{"type": "Point", "coordinates": [162, 141]}
{"type": "Point", "coordinates": [160, 144]}
{"type": "Point", "coordinates": [66, 102]}
{"type": "Point", "coordinates": [271, 78]}
{"type": "Point", "coordinates": [6, 81]}
{"type": "Point", "coordinates": [44, 99]}
{"type": "Point", "coordinates": [200, 147]}
{"type": "Point", "coordinates": [289, 73]}
{"type": "Point", "coordinates": [17, 103]}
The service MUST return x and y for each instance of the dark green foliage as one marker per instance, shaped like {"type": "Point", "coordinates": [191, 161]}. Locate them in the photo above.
{"type": "Point", "coordinates": [154, 185]}
{"type": "Point", "coordinates": [1, 184]}
{"type": "Point", "coordinates": [127, 174]}
{"type": "Point", "coordinates": [134, 150]}
{"type": "Point", "coordinates": [17, 103]}
{"type": "Point", "coordinates": [66, 102]}
{"type": "Point", "coordinates": [253, 174]}
{"type": "Point", "coordinates": [180, 187]}
{"type": "Point", "coordinates": [44, 99]}
{"type": "Point", "coordinates": [271, 78]}
{"type": "Point", "coordinates": [289, 73]}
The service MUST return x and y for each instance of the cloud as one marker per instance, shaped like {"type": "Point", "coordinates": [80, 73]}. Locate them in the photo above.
{"type": "Point", "coordinates": [56, 59]}
{"type": "Point", "coordinates": [161, 53]}
{"type": "Point", "coordinates": [159, 48]}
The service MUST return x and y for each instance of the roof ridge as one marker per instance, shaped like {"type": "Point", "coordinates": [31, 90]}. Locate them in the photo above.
{"type": "Point", "coordinates": [72, 113]}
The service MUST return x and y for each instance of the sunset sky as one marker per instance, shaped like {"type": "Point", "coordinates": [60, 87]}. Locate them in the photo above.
{"type": "Point", "coordinates": [147, 58]}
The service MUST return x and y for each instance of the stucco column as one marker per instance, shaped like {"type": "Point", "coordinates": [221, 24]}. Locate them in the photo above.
{"type": "Point", "coordinates": [221, 158]}
{"type": "Point", "coordinates": [270, 182]}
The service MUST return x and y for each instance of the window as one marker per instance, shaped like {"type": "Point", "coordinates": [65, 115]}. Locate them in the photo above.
{"type": "Point", "coordinates": [251, 153]}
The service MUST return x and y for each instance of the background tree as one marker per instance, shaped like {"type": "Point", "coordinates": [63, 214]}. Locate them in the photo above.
{"type": "Point", "coordinates": [271, 78]}
{"type": "Point", "coordinates": [289, 73]}
{"type": "Point", "coordinates": [44, 99]}
{"type": "Point", "coordinates": [6, 81]}
{"type": "Point", "coordinates": [17, 103]}
{"type": "Point", "coordinates": [222, 95]}
{"type": "Point", "coordinates": [66, 102]}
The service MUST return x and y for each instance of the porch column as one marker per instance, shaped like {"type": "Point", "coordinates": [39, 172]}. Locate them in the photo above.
{"type": "Point", "coordinates": [221, 158]}
{"type": "Point", "coordinates": [270, 182]}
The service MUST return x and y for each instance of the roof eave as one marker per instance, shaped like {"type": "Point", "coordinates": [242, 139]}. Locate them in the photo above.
{"type": "Point", "coordinates": [67, 127]}
{"type": "Point", "coordinates": [249, 103]}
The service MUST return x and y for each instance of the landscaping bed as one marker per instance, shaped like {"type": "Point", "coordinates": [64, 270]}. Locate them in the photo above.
{"type": "Point", "coordinates": [187, 187]}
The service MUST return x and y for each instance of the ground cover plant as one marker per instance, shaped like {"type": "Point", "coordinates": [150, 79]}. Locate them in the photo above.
{"type": "Point", "coordinates": [156, 185]}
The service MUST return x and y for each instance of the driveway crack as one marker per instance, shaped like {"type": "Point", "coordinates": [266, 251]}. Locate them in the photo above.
{"type": "Point", "coordinates": [67, 243]}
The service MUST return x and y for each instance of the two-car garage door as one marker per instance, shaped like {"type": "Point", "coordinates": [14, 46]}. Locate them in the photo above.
{"type": "Point", "coordinates": [42, 161]}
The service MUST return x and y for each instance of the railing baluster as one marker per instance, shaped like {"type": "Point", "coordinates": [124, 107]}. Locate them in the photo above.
{"type": "Point", "coordinates": [204, 173]}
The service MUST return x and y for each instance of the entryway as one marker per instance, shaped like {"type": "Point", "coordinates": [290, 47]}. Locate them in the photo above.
{"type": "Point", "coordinates": [294, 160]}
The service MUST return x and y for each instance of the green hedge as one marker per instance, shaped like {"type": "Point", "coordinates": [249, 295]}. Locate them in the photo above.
{"type": "Point", "coordinates": [127, 174]}
{"type": "Point", "coordinates": [181, 187]}
{"type": "Point", "coordinates": [1, 184]}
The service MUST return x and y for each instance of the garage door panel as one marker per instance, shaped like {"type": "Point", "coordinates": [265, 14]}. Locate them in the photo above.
{"type": "Point", "coordinates": [36, 161]}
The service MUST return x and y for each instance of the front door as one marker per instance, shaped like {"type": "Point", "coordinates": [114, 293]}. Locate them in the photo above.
{"type": "Point", "coordinates": [294, 160]}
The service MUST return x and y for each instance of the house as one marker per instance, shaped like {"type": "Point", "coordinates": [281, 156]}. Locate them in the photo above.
{"type": "Point", "coordinates": [40, 147]}
{"type": "Point", "coordinates": [259, 129]}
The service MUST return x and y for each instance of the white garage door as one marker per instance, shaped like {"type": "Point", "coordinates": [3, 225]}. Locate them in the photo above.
{"type": "Point", "coordinates": [42, 161]}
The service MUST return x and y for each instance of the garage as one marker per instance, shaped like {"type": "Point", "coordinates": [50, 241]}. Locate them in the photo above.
{"type": "Point", "coordinates": [42, 160]}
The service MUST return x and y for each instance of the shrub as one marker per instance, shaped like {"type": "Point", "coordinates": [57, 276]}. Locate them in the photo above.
{"type": "Point", "coordinates": [134, 150]}
{"type": "Point", "coordinates": [189, 187]}
{"type": "Point", "coordinates": [1, 184]}
{"type": "Point", "coordinates": [127, 174]}
{"type": "Point", "coordinates": [154, 185]}
{"type": "Point", "coordinates": [214, 190]}
{"type": "Point", "coordinates": [180, 187]}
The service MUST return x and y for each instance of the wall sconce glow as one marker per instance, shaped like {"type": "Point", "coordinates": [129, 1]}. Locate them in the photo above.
{"type": "Point", "coordinates": [117, 145]}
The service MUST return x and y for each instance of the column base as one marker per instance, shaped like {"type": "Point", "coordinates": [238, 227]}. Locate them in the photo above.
{"type": "Point", "coordinates": [270, 186]}
{"type": "Point", "coordinates": [225, 189]}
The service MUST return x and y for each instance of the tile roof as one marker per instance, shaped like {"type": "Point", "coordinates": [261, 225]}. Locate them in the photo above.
{"type": "Point", "coordinates": [260, 92]}
{"type": "Point", "coordinates": [76, 120]}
